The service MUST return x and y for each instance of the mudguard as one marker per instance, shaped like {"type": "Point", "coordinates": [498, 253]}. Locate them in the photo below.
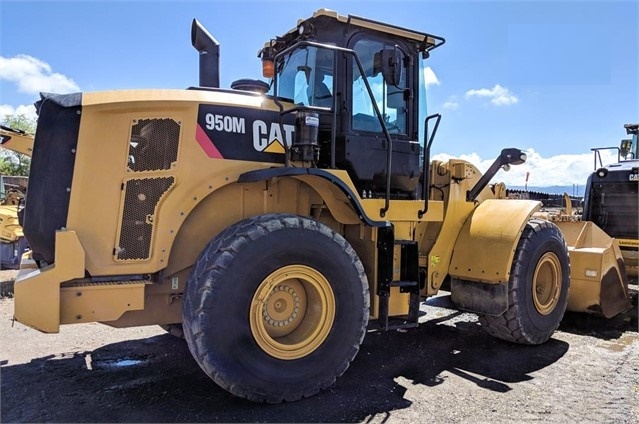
{"type": "Point", "coordinates": [483, 254]}
{"type": "Point", "coordinates": [486, 244]}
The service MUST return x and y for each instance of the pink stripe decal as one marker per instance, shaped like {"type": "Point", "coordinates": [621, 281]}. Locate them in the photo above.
{"type": "Point", "coordinates": [206, 144]}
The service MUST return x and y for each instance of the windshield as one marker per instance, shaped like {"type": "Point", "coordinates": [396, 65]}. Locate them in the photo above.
{"type": "Point", "coordinates": [305, 77]}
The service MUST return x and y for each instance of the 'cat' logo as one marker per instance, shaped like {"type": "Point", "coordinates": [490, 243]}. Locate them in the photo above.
{"type": "Point", "coordinates": [271, 138]}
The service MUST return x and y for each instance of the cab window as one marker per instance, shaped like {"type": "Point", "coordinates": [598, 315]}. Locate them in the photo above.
{"type": "Point", "coordinates": [389, 98]}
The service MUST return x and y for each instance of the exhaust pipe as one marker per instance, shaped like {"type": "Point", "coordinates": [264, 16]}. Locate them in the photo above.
{"type": "Point", "coordinates": [209, 50]}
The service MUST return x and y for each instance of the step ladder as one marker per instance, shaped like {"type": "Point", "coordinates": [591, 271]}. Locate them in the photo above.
{"type": "Point", "coordinates": [408, 280]}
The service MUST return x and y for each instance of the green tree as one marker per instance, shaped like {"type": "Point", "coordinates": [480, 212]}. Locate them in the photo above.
{"type": "Point", "coordinates": [14, 163]}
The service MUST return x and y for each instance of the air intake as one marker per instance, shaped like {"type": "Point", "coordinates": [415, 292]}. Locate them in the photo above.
{"type": "Point", "coordinates": [209, 50]}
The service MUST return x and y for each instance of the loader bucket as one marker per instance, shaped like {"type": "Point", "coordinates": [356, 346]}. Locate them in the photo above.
{"type": "Point", "coordinates": [598, 281]}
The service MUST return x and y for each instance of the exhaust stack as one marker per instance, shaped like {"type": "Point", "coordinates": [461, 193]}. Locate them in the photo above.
{"type": "Point", "coordinates": [209, 50]}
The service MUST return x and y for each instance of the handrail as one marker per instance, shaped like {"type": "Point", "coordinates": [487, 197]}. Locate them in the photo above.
{"type": "Point", "coordinates": [426, 35]}
{"type": "Point", "coordinates": [426, 165]}
{"type": "Point", "coordinates": [597, 151]}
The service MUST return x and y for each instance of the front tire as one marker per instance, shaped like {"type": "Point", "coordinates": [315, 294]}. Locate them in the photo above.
{"type": "Point", "coordinates": [537, 289]}
{"type": "Point", "coordinates": [276, 308]}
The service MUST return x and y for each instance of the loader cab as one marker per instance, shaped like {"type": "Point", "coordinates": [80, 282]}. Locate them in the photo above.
{"type": "Point", "coordinates": [365, 81]}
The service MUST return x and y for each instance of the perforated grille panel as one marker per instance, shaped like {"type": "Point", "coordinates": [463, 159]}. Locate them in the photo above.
{"type": "Point", "coordinates": [154, 144]}
{"type": "Point", "coordinates": [140, 204]}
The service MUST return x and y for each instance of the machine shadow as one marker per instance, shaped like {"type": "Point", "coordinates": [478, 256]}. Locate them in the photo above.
{"type": "Point", "coordinates": [156, 379]}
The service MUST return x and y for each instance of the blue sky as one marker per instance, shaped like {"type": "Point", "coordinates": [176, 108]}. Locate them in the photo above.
{"type": "Point", "coordinates": [553, 78]}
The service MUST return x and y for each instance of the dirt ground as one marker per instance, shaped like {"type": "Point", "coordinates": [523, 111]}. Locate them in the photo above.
{"type": "Point", "coordinates": [447, 370]}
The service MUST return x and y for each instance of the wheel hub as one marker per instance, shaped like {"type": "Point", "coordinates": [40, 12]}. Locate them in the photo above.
{"type": "Point", "coordinates": [283, 306]}
{"type": "Point", "coordinates": [547, 283]}
{"type": "Point", "coordinates": [292, 312]}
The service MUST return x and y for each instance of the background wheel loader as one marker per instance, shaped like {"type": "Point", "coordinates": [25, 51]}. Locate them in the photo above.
{"type": "Point", "coordinates": [274, 221]}
{"type": "Point", "coordinates": [612, 198]}
{"type": "Point", "coordinates": [12, 241]}
{"type": "Point", "coordinates": [12, 191]}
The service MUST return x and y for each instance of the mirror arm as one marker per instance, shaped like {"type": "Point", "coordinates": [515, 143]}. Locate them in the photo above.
{"type": "Point", "coordinates": [507, 157]}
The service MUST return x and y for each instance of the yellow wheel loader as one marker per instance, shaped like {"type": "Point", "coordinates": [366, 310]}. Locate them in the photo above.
{"type": "Point", "coordinates": [12, 191]}
{"type": "Point", "coordinates": [16, 140]}
{"type": "Point", "coordinates": [12, 241]}
{"type": "Point", "coordinates": [274, 222]}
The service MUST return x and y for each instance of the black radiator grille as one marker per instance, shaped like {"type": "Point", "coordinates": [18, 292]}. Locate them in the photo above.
{"type": "Point", "coordinates": [153, 144]}
{"type": "Point", "coordinates": [613, 207]}
{"type": "Point", "coordinates": [140, 205]}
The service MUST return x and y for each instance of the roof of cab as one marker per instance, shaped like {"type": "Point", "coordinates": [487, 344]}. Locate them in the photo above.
{"type": "Point", "coordinates": [374, 25]}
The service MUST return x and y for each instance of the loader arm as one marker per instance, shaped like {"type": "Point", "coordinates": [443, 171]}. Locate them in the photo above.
{"type": "Point", "coordinates": [16, 140]}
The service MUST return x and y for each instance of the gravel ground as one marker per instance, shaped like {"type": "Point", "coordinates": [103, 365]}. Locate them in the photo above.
{"type": "Point", "coordinates": [447, 370]}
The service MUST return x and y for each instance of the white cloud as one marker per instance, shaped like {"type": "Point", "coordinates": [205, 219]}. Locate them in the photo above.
{"type": "Point", "coordinates": [26, 110]}
{"type": "Point", "coordinates": [498, 95]}
{"type": "Point", "coordinates": [544, 172]}
{"type": "Point", "coordinates": [451, 103]}
{"type": "Point", "coordinates": [32, 76]}
{"type": "Point", "coordinates": [430, 78]}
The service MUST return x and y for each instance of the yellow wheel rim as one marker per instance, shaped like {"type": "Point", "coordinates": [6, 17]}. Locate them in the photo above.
{"type": "Point", "coordinates": [292, 312]}
{"type": "Point", "coordinates": [547, 283]}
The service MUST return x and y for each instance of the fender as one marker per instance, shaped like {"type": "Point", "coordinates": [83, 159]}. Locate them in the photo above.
{"type": "Point", "coordinates": [486, 244]}
{"type": "Point", "coordinates": [265, 174]}
{"type": "Point", "coordinates": [484, 252]}
{"type": "Point", "coordinates": [203, 218]}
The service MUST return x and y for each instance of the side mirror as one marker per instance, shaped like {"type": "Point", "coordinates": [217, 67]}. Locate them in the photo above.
{"type": "Point", "coordinates": [512, 156]}
{"type": "Point", "coordinates": [389, 63]}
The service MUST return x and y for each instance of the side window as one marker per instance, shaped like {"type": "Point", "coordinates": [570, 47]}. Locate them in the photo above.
{"type": "Point", "coordinates": [305, 77]}
{"type": "Point", "coordinates": [389, 98]}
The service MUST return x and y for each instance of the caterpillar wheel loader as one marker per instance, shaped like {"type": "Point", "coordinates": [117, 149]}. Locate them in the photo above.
{"type": "Point", "coordinates": [275, 222]}
{"type": "Point", "coordinates": [12, 241]}
{"type": "Point", "coordinates": [612, 198]}
{"type": "Point", "coordinates": [12, 191]}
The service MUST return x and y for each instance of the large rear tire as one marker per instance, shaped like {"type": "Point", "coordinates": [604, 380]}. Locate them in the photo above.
{"type": "Point", "coordinates": [538, 287]}
{"type": "Point", "coordinates": [276, 308]}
